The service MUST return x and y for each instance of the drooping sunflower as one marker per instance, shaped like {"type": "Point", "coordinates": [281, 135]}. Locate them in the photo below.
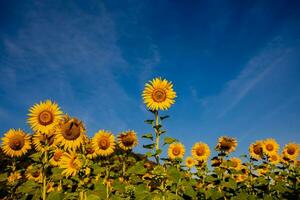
{"type": "Point", "coordinates": [200, 151]}
{"type": "Point", "coordinates": [270, 146]}
{"type": "Point", "coordinates": [71, 133]}
{"type": "Point", "coordinates": [40, 140]}
{"type": "Point", "coordinates": [90, 151]}
{"type": "Point", "coordinates": [159, 94]}
{"type": "Point", "coordinates": [127, 140]}
{"type": "Point", "coordinates": [274, 158]}
{"type": "Point", "coordinates": [226, 144]}
{"type": "Point", "coordinates": [216, 162]}
{"type": "Point", "coordinates": [104, 143]}
{"type": "Point", "coordinates": [13, 177]}
{"type": "Point", "coordinates": [189, 162]}
{"type": "Point", "coordinates": [256, 150]}
{"type": "Point", "coordinates": [176, 150]}
{"type": "Point", "coordinates": [43, 117]}
{"type": "Point", "coordinates": [71, 164]}
{"type": "Point", "coordinates": [15, 143]}
{"type": "Point", "coordinates": [56, 158]}
{"type": "Point", "coordinates": [235, 163]}
{"type": "Point", "coordinates": [291, 151]}
{"type": "Point", "coordinates": [34, 173]}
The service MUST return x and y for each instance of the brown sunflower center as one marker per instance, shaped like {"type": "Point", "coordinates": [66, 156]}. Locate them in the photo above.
{"type": "Point", "coordinates": [257, 149]}
{"type": "Point", "coordinates": [226, 145]}
{"type": "Point", "coordinates": [46, 117]}
{"type": "Point", "coordinates": [89, 150]}
{"type": "Point", "coordinates": [234, 164]}
{"type": "Point", "coordinates": [35, 174]}
{"type": "Point", "coordinates": [176, 151]}
{"type": "Point", "coordinates": [291, 151]}
{"type": "Point", "coordinates": [200, 151]}
{"type": "Point", "coordinates": [104, 143]}
{"type": "Point", "coordinates": [71, 131]}
{"type": "Point", "coordinates": [16, 143]}
{"type": "Point", "coordinates": [128, 141]}
{"type": "Point", "coordinates": [57, 156]}
{"type": "Point", "coordinates": [274, 157]}
{"type": "Point", "coordinates": [159, 95]}
{"type": "Point", "coordinates": [269, 147]}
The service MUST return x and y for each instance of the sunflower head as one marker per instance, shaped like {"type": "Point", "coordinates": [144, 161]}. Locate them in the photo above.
{"type": "Point", "coordinates": [256, 150]}
{"type": "Point", "coordinates": [239, 177]}
{"type": "Point", "coordinates": [71, 164]}
{"type": "Point", "coordinates": [89, 149]}
{"type": "Point", "coordinates": [226, 144]}
{"type": "Point", "coordinates": [262, 171]}
{"type": "Point", "coordinates": [41, 141]}
{"type": "Point", "coordinates": [291, 151]}
{"type": "Point", "coordinates": [216, 162]}
{"type": "Point", "coordinates": [56, 157]}
{"type": "Point", "coordinates": [200, 151]}
{"type": "Point", "coordinates": [104, 143]}
{"type": "Point", "coordinates": [235, 163]}
{"type": "Point", "coordinates": [159, 94]}
{"type": "Point", "coordinates": [15, 143]}
{"type": "Point", "coordinates": [34, 173]}
{"type": "Point", "coordinates": [43, 117]}
{"type": "Point", "coordinates": [71, 133]}
{"type": "Point", "coordinates": [13, 177]}
{"type": "Point", "coordinates": [176, 151]}
{"type": "Point", "coordinates": [127, 140]}
{"type": "Point", "coordinates": [270, 146]}
{"type": "Point", "coordinates": [274, 158]}
{"type": "Point", "coordinates": [190, 162]}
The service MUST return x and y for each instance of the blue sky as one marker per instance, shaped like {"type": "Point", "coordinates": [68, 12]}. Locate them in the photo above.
{"type": "Point", "coordinates": [235, 65]}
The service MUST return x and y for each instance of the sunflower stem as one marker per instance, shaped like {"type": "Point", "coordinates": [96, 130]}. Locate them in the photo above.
{"type": "Point", "coordinates": [157, 136]}
{"type": "Point", "coordinates": [44, 175]}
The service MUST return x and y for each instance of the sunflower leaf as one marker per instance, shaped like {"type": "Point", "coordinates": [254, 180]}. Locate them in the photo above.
{"type": "Point", "coordinates": [148, 146]}
{"type": "Point", "coordinates": [148, 136]}
{"type": "Point", "coordinates": [164, 117]}
{"type": "Point", "coordinates": [149, 121]}
{"type": "Point", "coordinates": [169, 140]}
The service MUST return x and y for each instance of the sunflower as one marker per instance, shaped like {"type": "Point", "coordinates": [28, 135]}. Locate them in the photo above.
{"type": "Point", "coordinates": [104, 143]}
{"type": "Point", "coordinates": [13, 177]}
{"type": "Point", "coordinates": [189, 162]}
{"type": "Point", "coordinates": [274, 158]}
{"type": "Point", "coordinates": [262, 171]}
{"type": "Point", "coordinates": [226, 144]}
{"type": "Point", "coordinates": [291, 151]}
{"type": "Point", "coordinates": [56, 158]}
{"type": "Point", "coordinates": [89, 149]}
{"type": "Point", "coordinates": [43, 117]}
{"type": "Point", "coordinates": [200, 151]}
{"type": "Point", "coordinates": [270, 146]}
{"type": "Point", "coordinates": [40, 140]}
{"type": "Point", "coordinates": [235, 163]}
{"type": "Point", "coordinates": [127, 140]}
{"type": "Point", "coordinates": [70, 163]}
{"type": "Point", "coordinates": [159, 94]}
{"type": "Point", "coordinates": [176, 150]}
{"type": "Point", "coordinates": [71, 133]}
{"type": "Point", "coordinates": [34, 173]}
{"type": "Point", "coordinates": [50, 187]}
{"type": "Point", "coordinates": [256, 150]}
{"type": "Point", "coordinates": [15, 143]}
{"type": "Point", "coordinates": [216, 162]}
{"type": "Point", "coordinates": [239, 177]}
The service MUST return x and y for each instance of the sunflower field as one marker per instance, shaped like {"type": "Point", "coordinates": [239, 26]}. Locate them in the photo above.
{"type": "Point", "coordinates": [59, 160]}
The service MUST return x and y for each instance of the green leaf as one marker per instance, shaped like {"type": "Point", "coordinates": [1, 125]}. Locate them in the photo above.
{"type": "Point", "coordinates": [157, 127]}
{"type": "Point", "coordinates": [97, 168]}
{"type": "Point", "coordinates": [158, 151]}
{"type": "Point", "coordinates": [173, 174]}
{"type": "Point", "coordinates": [93, 197]}
{"type": "Point", "coordinates": [149, 121]}
{"type": "Point", "coordinates": [138, 168]}
{"type": "Point", "coordinates": [148, 136]}
{"type": "Point", "coordinates": [164, 117]}
{"type": "Point", "coordinates": [100, 190]}
{"type": "Point", "coordinates": [148, 154]}
{"type": "Point", "coordinates": [149, 146]}
{"type": "Point", "coordinates": [55, 195]}
{"type": "Point", "coordinates": [3, 177]}
{"type": "Point", "coordinates": [36, 156]}
{"type": "Point", "coordinates": [169, 140]}
{"type": "Point", "coordinates": [28, 187]}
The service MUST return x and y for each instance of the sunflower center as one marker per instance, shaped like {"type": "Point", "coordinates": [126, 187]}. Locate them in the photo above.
{"type": "Point", "coordinates": [35, 174]}
{"type": "Point", "coordinates": [176, 151]}
{"type": "Point", "coordinates": [234, 164]}
{"type": "Point", "coordinates": [89, 150]}
{"type": "Point", "coordinates": [46, 118]}
{"type": "Point", "coordinates": [128, 141]}
{"type": "Point", "coordinates": [159, 95]}
{"type": "Point", "coordinates": [269, 147]}
{"type": "Point", "coordinates": [291, 151]}
{"type": "Point", "coordinates": [57, 156]}
{"type": "Point", "coordinates": [104, 144]}
{"type": "Point", "coordinates": [16, 143]}
{"type": "Point", "coordinates": [71, 131]}
{"type": "Point", "coordinates": [273, 157]}
{"type": "Point", "coordinates": [226, 145]}
{"type": "Point", "coordinates": [257, 150]}
{"type": "Point", "coordinates": [200, 151]}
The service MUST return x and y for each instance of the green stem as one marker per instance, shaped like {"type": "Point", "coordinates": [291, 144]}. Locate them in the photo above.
{"type": "Point", "coordinates": [157, 135]}
{"type": "Point", "coordinates": [44, 175]}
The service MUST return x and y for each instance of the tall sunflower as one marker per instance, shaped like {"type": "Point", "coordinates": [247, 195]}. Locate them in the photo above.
{"type": "Point", "coordinates": [200, 151]}
{"type": "Point", "coordinates": [274, 158]}
{"type": "Point", "coordinates": [70, 163]}
{"type": "Point", "coordinates": [270, 146]}
{"type": "Point", "coordinates": [71, 133]}
{"type": "Point", "coordinates": [104, 143]}
{"type": "Point", "coordinates": [43, 117]}
{"type": "Point", "coordinates": [56, 157]}
{"type": "Point", "coordinates": [256, 150]}
{"type": "Point", "coordinates": [159, 94]}
{"type": "Point", "coordinates": [189, 162]}
{"type": "Point", "coordinates": [15, 143]}
{"type": "Point", "coordinates": [235, 163]}
{"type": "Point", "coordinates": [13, 177]}
{"type": "Point", "coordinates": [226, 144]}
{"type": "Point", "coordinates": [291, 151]}
{"type": "Point", "coordinates": [42, 140]}
{"type": "Point", "coordinates": [176, 150]}
{"type": "Point", "coordinates": [90, 151]}
{"type": "Point", "coordinates": [127, 140]}
{"type": "Point", "coordinates": [34, 173]}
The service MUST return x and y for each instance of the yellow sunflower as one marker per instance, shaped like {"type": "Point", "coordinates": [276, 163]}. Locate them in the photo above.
{"type": "Point", "coordinates": [216, 162]}
{"type": "Point", "coordinates": [291, 151]}
{"type": "Point", "coordinates": [176, 150]}
{"type": "Point", "coordinates": [189, 162]}
{"type": "Point", "coordinates": [40, 140]}
{"type": "Point", "coordinates": [200, 151]}
{"type": "Point", "coordinates": [127, 140]}
{"type": "Point", "coordinates": [43, 117]}
{"type": "Point", "coordinates": [104, 143]}
{"type": "Point", "coordinates": [262, 171]}
{"type": "Point", "coordinates": [270, 146]}
{"type": "Point", "coordinates": [256, 150]}
{"type": "Point", "coordinates": [89, 149]}
{"type": "Point", "coordinates": [56, 158]}
{"type": "Point", "coordinates": [235, 163]}
{"type": "Point", "coordinates": [226, 144]}
{"type": "Point", "coordinates": [274, 158]}
{"type": "Point", "coordinates": [70, 163]}
{"type": "Point", "coordinates": [240, 177]}
{"type": "Point", "coordinates": [13, 177]}
{"type": "Point", "coordinates": [71, 133]}
{"type": "Point", "coordinates": [15, 143]}
{"type": "Point", "coordinates": [159, 94]}
{"type": "Point", "coordinates": [34, 173]}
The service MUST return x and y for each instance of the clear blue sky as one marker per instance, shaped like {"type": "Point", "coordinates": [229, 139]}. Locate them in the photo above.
{"type": "Point", "coordinates": [235, 65]}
